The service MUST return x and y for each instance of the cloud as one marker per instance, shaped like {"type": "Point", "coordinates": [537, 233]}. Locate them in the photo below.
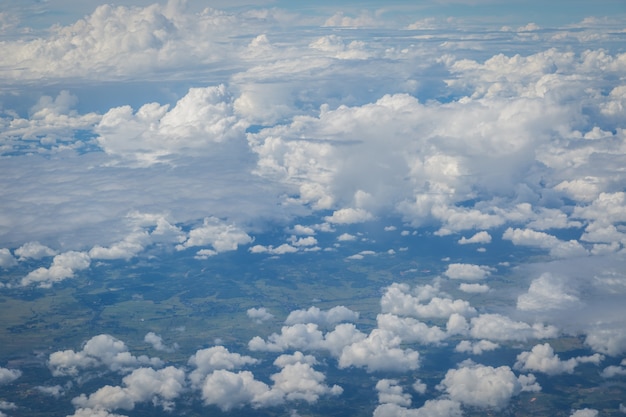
{"type": "Point", "coordinates": [6, 258]}
{"type": "Point", "coordinates": [480, 237]}
{"type": "Point", "coordinates": [431, 408]}
{"type": "Point", "coordinates": [543, 359]}
{"type": "Point", "coordinates": [9, 375]}
{"type": "Point", "coordinates": [221, 236]}
{"type": "Point", "coordinates": [410, 330]}
{"type": "Point", "coordinates": [63, 266]}
{"type": "Point", "coordinates": [157, 343]}
{"type": "Point", "coordinates": [548, 292]}
{"type": "Point", "coordinates": [557, 248]}
{"type": "Point", "coordinates": [613, 370]}
{"type": "Point", "coordinates": [100, 351]}
{"type": "Point", "coordinates": [467, 271]}
{"type": "Point", "coordinates": [398, 299]}
{"type": "Point", "coordinates": [501, 328]}
{"type": "Point", "coordinates": [484, 386]}
{"type": "Point", "coordinates": [476, 348]}
{"type": "Point", "coordinates": [585, 412]}
{"type": "Point", "coordinates": [259, 315]}
{"type": "Point", "coordinates": [34, 250]}
{"type": "Point", "coordinates": [323, 318]}
{"type": "Point", "coordinates": [349, 216]}
{"type": "Point", "coordinates": [214, 358]}
{"type": "Point", "coordinates": [142, 385]}
{"type": "Point", "coordinates": [389, 392]}
{"type": "Point", "coordinates": [473, 288]}
{"type": "Point", "coordinates": [379, 351]}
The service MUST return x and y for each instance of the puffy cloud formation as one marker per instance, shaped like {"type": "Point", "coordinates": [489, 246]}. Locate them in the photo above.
{"type": "Point", "coordinates": [215, 358]}
{"type": "Point", "coordinates": [543, 359]}
{"type": "Point", "coordinates": [585, 412]}
{"type": "Point", "coordinates": [399, 299]}
{"type": "Point", "coordinates": [557, 248]}
{"type": "Point", "coordinates": [431, 408]}
{"type": "Point", "coordinates": [500, 328]}
{"type": "Point", "coordinates": [613, 370]}
{"type": "Point", "coordinates": [157, 342]}
{"type": "Point", "coordinates": [100, 351]}
{"type": "Point", "coordinates": [260, 314]}
{"type": "Point", "coordinates": [389, 392]}
{"type": "Point", "coordinates": [548, 292]}
{"type": "Point", "coordinates": [222, 237]}
{"type": "Point", "coordinates": [379, 351]}
{"type": "Point", "coordinates": [144, 384]}
{"type": "Point", "coordinates": [480, 237]}
{"type": "Point", "coordinates": [484, 386]}
{"type": "Point", "coordinates": [9, 375]}
{"type": "Point", "coordinates": [476, 348]}
{"type": "Point", "coordinates": [323, 318]}
{"type": "Point", "coordinates": [63, 266]}
{"type": "Point", "coordinates": [467, 271]}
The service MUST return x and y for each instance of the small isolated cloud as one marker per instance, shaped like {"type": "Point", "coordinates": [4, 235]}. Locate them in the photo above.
{"type": "Point", "coordinates": [330, 317]}
{"type": "Point", "coordinates": [431, 408]}
{"type": "Point", "coordinates": [483, 386]}
{"type": "Point", "coordinates": [467, 271]}
{"type": "Point", "coordinates": [473, 288]}
{"type": "Point", "coordinates": [349, 216]}
{"type": "Point", "coordinates": [63, 266]}
{"type": "Point", "coordinates": [346, 237]}
{"type": "Point", "coordinates": [480, 237]}
{"type": "Point", "coordinates": [259, 315]}
{"type": "Point", "coordinates": [9, 375]}
{"type": "Point", "coordinates": [613, 370]}
{"type": "Point", "coordinates": [271, 250]}
{"type": "Point", "coordinates": [361, 255]}
{"type": "Point", "coordinates": [157, 343]}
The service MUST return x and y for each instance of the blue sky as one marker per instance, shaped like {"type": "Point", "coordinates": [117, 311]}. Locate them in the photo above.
{"type": "Point", "coordinates": [274, 132]}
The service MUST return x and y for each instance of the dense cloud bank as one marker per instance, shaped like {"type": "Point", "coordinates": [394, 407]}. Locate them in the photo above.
{"type": "Point", "coordinates": [149, 131]}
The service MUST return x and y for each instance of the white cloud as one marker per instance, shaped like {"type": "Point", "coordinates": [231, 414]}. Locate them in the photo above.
{"type": "Point", "coordinates": [548, 292]}
{"type": "Point", "coordinates": [483, 386]}
{"type": "Point", "coordinates": [323, 318]}
{"type": "Point", "coordinates": [557, 248]}
{"type": "Point", "coordinates": [34, 250]}
{"type": "Point", "coordinates": [63, 266]}
{"type": "Point", "coordinates": [410, 330]}
{"type": "Point", "coordinates": [480, 237]}
{"type": "Point", "coordinates": [389, 392]}
{"type": "Point", "coordinates": [260, 314]}
{"type": "Point", "coordinates": [398, 299]}
{"type": "Point", "coordinates": [6, 258]}
{"type": "Point", "coordinates": [9, 375]}
{"type": "Point", "coordinates": [221, 236]}
{"type": "Point", "coordinates": [543, 359]}
{"type": "Point", "coordinates": [349, 216]}
{"type": "Point", "coordinates": [142, 385]}
{"type": "Point", "coordinates": [473, 288]}
{"type": "Point", "coordinates": [157, 342]}
{"type": "Point", "coordinates": [614, 370]}
{"type": "Point", "coordinates": [100, 351]}
{"type": "Point", "coordinates": [208, 360]}
{"type": "Point", "coordinates": [467, 271]}
{"type": "Point", "coordinates": [431, 408]}
{"type": "Point", "coordinates": [379, 351]}
{"type": "Point", "coordinates": [585, 412]}
{"type": "Point", "coordinates": [501, 328]}
{"type": "Point", "coordinates": [476, 348]}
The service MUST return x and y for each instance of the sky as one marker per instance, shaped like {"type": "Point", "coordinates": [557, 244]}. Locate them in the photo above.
{"type": "Point", "coordinates": [140, 129]}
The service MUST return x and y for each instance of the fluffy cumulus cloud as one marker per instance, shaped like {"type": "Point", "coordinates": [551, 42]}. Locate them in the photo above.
{"type": "Point", "coordinates": [422, 302]}
{"type": "Point", "coordinates": [543, 359]}
{"type": "Point", "coordinates": [9, 375]}
{"type": "Point", "coordinates": [135, 132]}
{"type": "Point", "coordinates": [467, 271]}
{"type": "Point", "coordinates": [102, 351]}
{"type": "Point", "coordinates": [484, 386]}
{"type": "Point", "coordinates": [323, 318]}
